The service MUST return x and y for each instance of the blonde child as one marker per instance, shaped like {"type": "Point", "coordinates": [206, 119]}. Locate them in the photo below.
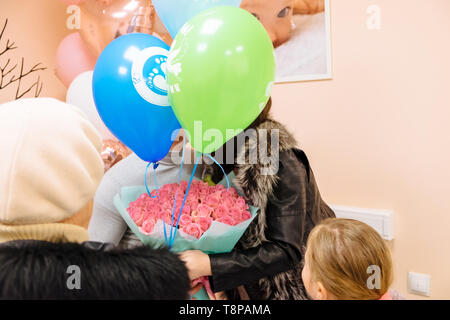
{"type": "Point", "coordinates": [346, 260]}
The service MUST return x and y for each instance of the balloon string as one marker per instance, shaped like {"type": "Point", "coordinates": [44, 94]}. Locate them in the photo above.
{"type": "Point", "coordinates": [171, 223]}
{"type": "Point", "coordinates": [226, 177]}
{"type": "Point", "coordinates": [155, 165]}
{"type": "Point", "coordinates": [182, 161]}
{"type": "Point", "coordinates": [185, 197]}
{"type": "Point", "coordinates": [154, 175]}
{"type": "Point", "coordinates": [176, 193]}
{"type": "Point", "coordinates": [156, 185]}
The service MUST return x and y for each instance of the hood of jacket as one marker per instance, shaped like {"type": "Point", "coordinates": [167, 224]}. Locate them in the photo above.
{"type": "Point", "coordinates": [32, 269]}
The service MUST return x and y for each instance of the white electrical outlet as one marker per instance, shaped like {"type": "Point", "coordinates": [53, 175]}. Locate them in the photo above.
{"type": "Point", "coordinates": [419, 283]}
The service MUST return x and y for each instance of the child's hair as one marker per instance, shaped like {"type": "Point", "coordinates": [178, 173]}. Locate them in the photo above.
{"type": "Point", "coordinates": [339, 254]}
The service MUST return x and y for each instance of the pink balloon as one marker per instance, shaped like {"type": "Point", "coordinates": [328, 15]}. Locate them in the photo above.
{"type": "Point", "coordinates": [73, 58]}
{"type": "Point", "coordinates": [70, 2]}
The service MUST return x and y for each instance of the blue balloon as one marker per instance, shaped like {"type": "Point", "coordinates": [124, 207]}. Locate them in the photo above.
{"type": "Point", "coordinates": [175, 13]}
{"type": "Point", "coordinates": [130, 92]}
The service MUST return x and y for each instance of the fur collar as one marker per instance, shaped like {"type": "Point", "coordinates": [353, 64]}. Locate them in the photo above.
{"type": "Point", "coordinates": [256, 181]}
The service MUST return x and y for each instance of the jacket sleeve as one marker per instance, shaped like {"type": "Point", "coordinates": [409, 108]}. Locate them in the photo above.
{"type": "Point", "coordinates": [287, 226]}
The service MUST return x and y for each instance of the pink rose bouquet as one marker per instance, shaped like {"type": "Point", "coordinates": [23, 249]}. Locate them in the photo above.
{"type": "Point", "coordinates": [204, 205]}
{"type": "Point", "coordinates": [212, 220]}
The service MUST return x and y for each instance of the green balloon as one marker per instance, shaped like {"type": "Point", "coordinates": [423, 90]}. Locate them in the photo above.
{"type": "Point", "coordinates": [220, 74]}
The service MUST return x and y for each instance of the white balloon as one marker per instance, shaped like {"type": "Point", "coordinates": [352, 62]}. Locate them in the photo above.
{"type": "Point", "coordinates": [80, 94]}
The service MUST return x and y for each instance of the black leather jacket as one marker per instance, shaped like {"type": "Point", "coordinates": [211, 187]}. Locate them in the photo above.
{"type": "Point", "coordinates": [292, 211]}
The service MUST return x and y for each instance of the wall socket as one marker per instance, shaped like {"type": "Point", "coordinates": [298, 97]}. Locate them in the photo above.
{"type": "Point", "coordinates": [419, 283]}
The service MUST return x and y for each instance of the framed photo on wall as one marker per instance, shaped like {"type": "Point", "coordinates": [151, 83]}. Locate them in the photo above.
{"type": "Point", "coordinates": [300, 33]}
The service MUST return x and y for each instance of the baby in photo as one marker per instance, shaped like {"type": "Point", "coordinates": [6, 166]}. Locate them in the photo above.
{"type": "Point", "coordinates": [276, 16]}
{"type": "Point", "coordinates": [298, 32]}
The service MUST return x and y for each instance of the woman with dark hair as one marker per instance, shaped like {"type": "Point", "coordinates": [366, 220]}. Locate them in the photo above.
{"type": "Point", "coordinates": [267, 261]}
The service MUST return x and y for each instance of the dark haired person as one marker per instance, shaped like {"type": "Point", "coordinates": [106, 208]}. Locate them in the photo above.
{"type": "Point", "coordinates": [267, 261]}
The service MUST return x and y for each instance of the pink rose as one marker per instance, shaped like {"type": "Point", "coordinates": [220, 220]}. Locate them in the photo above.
{"type": "Point", "coordinates": [194, 187]}
{"type": "Point", "coordinates": [177, 193]}
{"type": "Point", "coordinates": [203, 211]}
{"type": "Point", "coordinates": [228, 202]}
{"type": "Point", "coordinates": [164, 196]}
{"type": "Point", "coordinates": [219, 212]}
{"type": "Point", "coordinates": [193, 229]}
{"type": "Point", "coordinates": [138, 216]}
{"type": "Point", "coordinates": [159, 214]}
{"type": "Point", "coordinates": [245, 215]}
{"type": "Point", "coordinates": [230, 193]}
{"type": "Point", "coordinates": [192, 196]}
{"type": "Point", "coordinates": [235, 214]}
{"type": "Point", "coordinates": [192, 204]}
{"type": "Point", "coordinates": [195, 184]}
{"type": "Point", "coordinates": [202, 195]}
{"type": "Point", "coordinates": [203, 222]}
{"type": "Point", "coordinates": [174, 223]}
{"type": "Point", "coordinates": [177, 208]}
{"type": "Point", "coordinates": [240, 203]}
{"type": "Point", "coordinates": [227, 220]}
{"type": "Point", "coordinates": [179, 202]}
{"type": "Point", "coordinates": [143, 196]}
{"type": "Point", "coordinates": [166, 205]}
{"type": "Point", "coordinates": [152, 208]}
{"type": "Point", "coordinates": [131, 212]}
{"type": "Point", "coordinates": [167, 219]}
{"type": "Point", "coordinates": [173, 188]}
{"type": "Point", "coordinates": [217, 194]}
{"type": "Point", "coordinates": [147, 226]}
{"type": "Point", "coordinates": [165, 191]}
{"type": "Point", "coordinates": [212, 200]}
{"type": "Point", "coordinates": [185, 219]}
{"type": "Point", "coordinates": [183, 185]}
{"type": "Point", "coordinates": [186, 209]}
{"type": "Point", "coordinates": [147, 214]}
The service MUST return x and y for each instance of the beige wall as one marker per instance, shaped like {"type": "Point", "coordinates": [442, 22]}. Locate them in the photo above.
{"type": "Point", "coordinates": [36, 27]}
{"type": "Point", "coordinates": [378, 134]}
